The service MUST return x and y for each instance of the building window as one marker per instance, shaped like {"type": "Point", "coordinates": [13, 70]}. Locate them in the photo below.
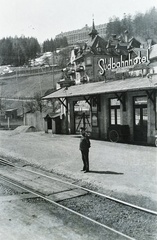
{"type": "Point", "coordinates": [94, 108]}
{"type": "Point", "coordinates": [88, 61]}
{"type": "Point", "coordinates": [94, 119]}
{"type": "Point", "coordinates": [114, 111]}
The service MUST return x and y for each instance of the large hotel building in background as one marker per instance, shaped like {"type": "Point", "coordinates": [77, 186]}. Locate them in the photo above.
{"type": "Point", "coordinates": [81, 35]}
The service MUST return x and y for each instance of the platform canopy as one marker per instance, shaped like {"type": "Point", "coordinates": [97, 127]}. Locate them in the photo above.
{"type": "Point", "coordinates": [129, 84]}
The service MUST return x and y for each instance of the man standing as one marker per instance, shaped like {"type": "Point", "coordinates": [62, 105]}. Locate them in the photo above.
{"type": "Point", "coordinates": [84, 148]}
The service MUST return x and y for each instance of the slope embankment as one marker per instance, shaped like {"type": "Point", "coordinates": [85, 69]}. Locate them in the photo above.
{"type": "Point", "coordinates": [26, 86]}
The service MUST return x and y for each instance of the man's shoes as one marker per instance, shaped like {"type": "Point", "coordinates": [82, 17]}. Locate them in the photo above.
{"type": "Point", "coordinates": [82, 169]}
{"type": "Point", "coordinates": [86, 171]}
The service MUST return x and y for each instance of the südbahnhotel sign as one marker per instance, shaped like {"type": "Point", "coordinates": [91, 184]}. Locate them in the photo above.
{"type": "Point", "coordinates": [109, 64]}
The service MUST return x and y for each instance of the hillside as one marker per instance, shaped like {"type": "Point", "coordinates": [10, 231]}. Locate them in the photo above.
{"type": "Point", "coordinates": [25, 87]}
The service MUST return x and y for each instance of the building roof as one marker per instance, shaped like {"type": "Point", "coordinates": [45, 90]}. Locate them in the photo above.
{"type": "Point", "coordinates": [130, 84]}
{"type": "Point", "coordinates": [96, 43]}
{"type": "Point", "coordinates": [11, 110]}
{"type": "Point", "coordinates": [133, 43]}
{"type": "Point", "coordinates": [50, 113]}
{"type": "Point", "coordinates": [143, 51]}
{"type": "Point", "coordinates": [53, 115]}
{"type": "Point", "coordinates": [93, 32]}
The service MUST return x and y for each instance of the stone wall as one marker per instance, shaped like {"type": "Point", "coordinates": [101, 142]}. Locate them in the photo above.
{"type": "Point", "coordinates": [34, 119]}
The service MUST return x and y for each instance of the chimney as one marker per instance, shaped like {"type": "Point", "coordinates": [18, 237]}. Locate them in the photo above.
{"type": "Point", "coordinates": [149, 43]}
{"type": "Point", "coordinates": [142, 45]}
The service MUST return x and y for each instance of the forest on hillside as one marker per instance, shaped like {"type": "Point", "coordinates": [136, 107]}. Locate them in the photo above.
{"type": "Point", "coordinates": [18, 51]}
{"type": "Point", "coordinates": [142, 26]}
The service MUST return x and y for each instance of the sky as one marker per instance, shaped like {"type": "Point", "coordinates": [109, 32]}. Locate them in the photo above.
{"type": "Point", "coordinates": [44, 19]}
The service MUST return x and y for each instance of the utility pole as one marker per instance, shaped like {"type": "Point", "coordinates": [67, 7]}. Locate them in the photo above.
{"type": "Point", "coordinates": [8, 122]}
{"type": "Point", "coordinates": [53, 60]}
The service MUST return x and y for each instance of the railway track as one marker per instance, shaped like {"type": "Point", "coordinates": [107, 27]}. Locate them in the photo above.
{"type": "Point", "coordinates": [66, 196]}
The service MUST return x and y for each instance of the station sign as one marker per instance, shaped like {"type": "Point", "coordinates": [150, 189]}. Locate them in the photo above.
{"type": "Point", "coordinates": [109, 64]}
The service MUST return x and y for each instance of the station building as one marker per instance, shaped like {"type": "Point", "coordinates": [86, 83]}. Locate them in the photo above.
{"type": "Point", "coordinates": [110, 88]}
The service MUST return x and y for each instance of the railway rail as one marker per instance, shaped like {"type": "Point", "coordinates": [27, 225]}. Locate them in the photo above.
{"type": "Point", "coordinates": [72, 186]}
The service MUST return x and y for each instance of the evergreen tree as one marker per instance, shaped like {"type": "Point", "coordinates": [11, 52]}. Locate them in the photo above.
{"type": "Point", "coordinates": [51, 45]}
{"type": "Point", "coordinates": [140, 25]}
{"type": "Point", "coordinates": [17, 51]}
{"type": "Point", "coordinates": [113, 27]}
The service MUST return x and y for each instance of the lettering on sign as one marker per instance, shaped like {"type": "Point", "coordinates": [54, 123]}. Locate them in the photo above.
{"type": "Point", "coordinates": [111, 65]}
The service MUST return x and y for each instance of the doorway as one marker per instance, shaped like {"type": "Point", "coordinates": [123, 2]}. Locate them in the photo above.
{"type": "Point", "coordinates": [82, 116]}
{"type": "Point", "coordinates": [140, 119]}
{"type": "Point", "coordinates": [49, 122]}
{"type": "Point", "coordinates": [58, 125]}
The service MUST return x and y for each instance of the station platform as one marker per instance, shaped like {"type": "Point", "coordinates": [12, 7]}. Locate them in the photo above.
{"type": "Point", "coordinates": [128, 172]}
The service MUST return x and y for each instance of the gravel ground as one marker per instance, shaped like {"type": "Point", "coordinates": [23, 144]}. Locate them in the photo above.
{"type": "Point", "coordinates": [6, 190]}
{"type": "Point", "coordinates": [119, 169]}
{"type": "Point", "coordinates": [34, 219]}
{"type": "Point", "coordinates": [129, 221]}
{"type": "Point", "coordinates": [128, 172]}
